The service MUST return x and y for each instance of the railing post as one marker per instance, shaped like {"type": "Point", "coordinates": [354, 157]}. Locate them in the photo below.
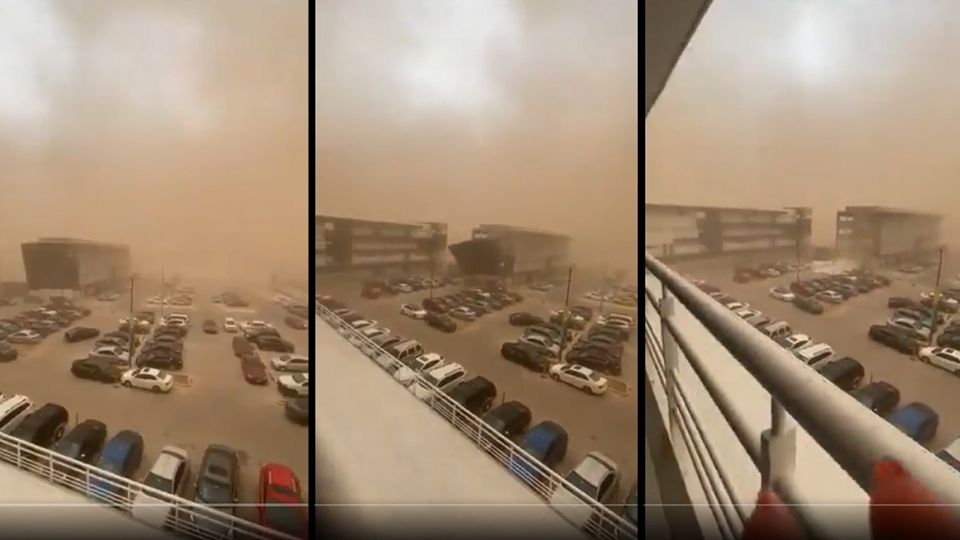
{"type": "Point", "coordinates": [778, 449]}
{"type": "Point", "coordinates": [671, 359]}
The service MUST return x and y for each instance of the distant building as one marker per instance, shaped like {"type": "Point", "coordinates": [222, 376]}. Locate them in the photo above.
{"type": "Point", "coordinates": [876, 234]}
{"type": "Point", "coordinates": [377, 247]}
{"type": "Point", "coordinates": [76, 265]}
{"type": "Point", "coordinates": [674, 232]}
{"type": "Point", "coordinates": [505, 251]}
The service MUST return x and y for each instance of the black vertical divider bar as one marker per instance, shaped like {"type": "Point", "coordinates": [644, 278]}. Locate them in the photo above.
{"type": "Point", "coordinates": [315, 531]}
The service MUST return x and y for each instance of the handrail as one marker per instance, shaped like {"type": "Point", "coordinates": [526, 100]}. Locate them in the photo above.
{"type": "Point", "coordinates": [184, 517]}
{"type": "Point", "coordinates": [850, 433]}
{"type": "Point", "coordinates": [544, 481]}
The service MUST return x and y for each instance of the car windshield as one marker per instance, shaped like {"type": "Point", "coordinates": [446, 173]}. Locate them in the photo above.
{"type": "Point", "coordinates": [298, 378]}
{"type": "Point", "coordinates": [214, 492]}
{"type": "Point", "coordinates": [68, 448]}
{"type": "Point", "coordinates": [285, 518]}
{"type": "Point", "coordinates": [159, 483]}
{"type": "Point", "coordinates": [580, 483]}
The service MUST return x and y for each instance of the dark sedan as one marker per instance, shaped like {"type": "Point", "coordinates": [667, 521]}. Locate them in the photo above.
{"type": "Point", "coordinates": [297, 409]}
{"type": "Point", "coordinates": [880, 397]}
{"type": "Point", "coordinates": [80, 333]}
{"type": "Point", "coordinates": [274, 343]}
{"type": "Point", "coordinates": [82, 443]}
{"type": "Point", "coordinates": [895, 338]}
{"type": "Point", "coordinates": [7, 352]}
{"type": "Point", "coordinates": [254, 371]}
{"type": "Point", "coordinates": [98, 369]}
{"type": "Point", "coordinates": [526, 355]}
{"type": "Point", "coordinates": [210, 327]}
{"type": "Point", "coordinates": [523, 318]}
{"type": "Point", "coordinates": [441, 322]}
{"type": "Point", "coordinates": [509, 419]}
{"type": "Point", "coordinates": [809, 305]}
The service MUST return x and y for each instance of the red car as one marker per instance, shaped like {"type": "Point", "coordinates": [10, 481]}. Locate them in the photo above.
{"type": "Point", "coordinates": [254, 371]}
{"type": "Point", "coordinates": [281, 506]}
{"type": "Point", "coordinates": [295, 322]}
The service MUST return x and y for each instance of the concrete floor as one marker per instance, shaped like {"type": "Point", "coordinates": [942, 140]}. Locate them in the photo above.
{"type": "Point", "coordinates": [607, 423]}
{"type": "Point", "coordinates": [218, 406]}
{"type": "Point", "coordinates": [844, 327]}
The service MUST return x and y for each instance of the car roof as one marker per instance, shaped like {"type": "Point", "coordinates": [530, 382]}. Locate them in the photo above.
{"type": "Point", "coordinates": [444, 370]}
{"type": "Point", "coordinates": [168, 461]}
{"type": "Point", "coordinates": [580, 369]}
{"type": "Point", "coordinates": [913, 415]}
{"type": "Point", "coordinates": [430, 356]}
{"type": "Point", "coordinates": [150, 371]}
{"type": "Point", "coordinates": [595, 467]}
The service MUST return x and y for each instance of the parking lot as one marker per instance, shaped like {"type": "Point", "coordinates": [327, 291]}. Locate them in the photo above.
{"type": "Point", "coordinates": [607, 423]}
{"type": "Point", "coordinates": [844, 327]}
{"type": "Point", "coordinates": [210, 403]}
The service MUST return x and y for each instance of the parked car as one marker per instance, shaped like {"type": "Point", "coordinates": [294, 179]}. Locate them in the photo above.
{"type": "Point", "coordinates": [291, 362]}
{"type": "Point", "coordinates": [169, 474]}
{"type": "Point", "coordinates": [121, 456]}
{"type": "Point", "coordinates": [297, 384]}
{"type": "Point", "coordinates": [529, 356]}
{"type": "Point", "coordinates": [808, 304]}
{"type": "Point", "coordinates": [418, 364]}
{"type": "Point", "coordinates": [80, 333]}
{"type": "Point", "coordinates": [25, 337]}
{"type": "Point", "coordinates": [254, 372]}
{"type": "Point", "coordinates": [598, 477]}
{"type": "Point", "coordinates": [523, 318]}
{"type": "Point", "coordinates": [830, 296]}
{"type": "Point", "coordinates": [97, 369]}
{"type": "Point", "coordinates": [280, 501]}
{"type": "Point", "coordinates": [217, 484]}
{"type": "Point", "coordinates": [879, 396]}
{"type": "Point", "coordinates": [579, 377]}
{"type": "Point", "coordinates": [147, 379]}
{"type": "Point", "coordinates": [547, 443]}
{"type": "Point", "coordinates": [894, 337]}
{"type": "Point", "coordinates": [297, 409]}
{"type": "Point", "coordinates": [944, 358]}
{"type": "Point", "coordinates": [845, 372]}
{"type": "Point", "coordinates": [813, 355]}
{"type": "Point", "coordinates": [509, 419]}
{"type": "Point", "coordinates": [412, 311]}
{"type": "Point", "coordinates": [7, 352]}
{"type": "Point", "coordinates": [441, 322]}
{"type": "Point", "coordinates": [274, 343]}
{"type": "Point", "coordinates": [912, 326]}
{"type": "Point", "coordinates": [917, 420]}
{"type": "Point", "coordinates": [476, 395]}
{"type": "Point", "coordinates": [444, 377]}
{"type": "Point", "coordinates": [782, 294]}
{"type": "Point", "coordinates": [43, 426]}
{"type": "Point", "coordinates": [83, 443]}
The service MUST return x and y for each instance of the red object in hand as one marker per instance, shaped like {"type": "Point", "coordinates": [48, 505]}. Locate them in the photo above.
{"type": "Point", "coordinates": [901, 508]}
{"type": "Point", "coordinates": [772, 519]}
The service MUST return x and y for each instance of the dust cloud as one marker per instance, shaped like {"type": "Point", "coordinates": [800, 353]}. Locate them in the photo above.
{"type": "Point", "coordinates": [515, 112]}
{"type": "Point", "coordinates": [819, 103]}
{"type": "Point", "coordinates": [177, 127]}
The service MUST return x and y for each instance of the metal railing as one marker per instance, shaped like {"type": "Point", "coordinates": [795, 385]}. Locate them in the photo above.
{"type": "Point", "coordinates": [544, 481]}
{"type": "Point", "coordinates": [851, 435]}
{"type": "Point", "coordinates": [175, 514]}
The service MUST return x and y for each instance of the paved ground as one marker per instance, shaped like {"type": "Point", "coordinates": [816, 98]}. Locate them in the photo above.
{"type": "Point", "coordinates": [606, 423]}
{"type": "Point", "coordinates": [218, 406]}
{"type": "Point", "coordinates": [844, 327]}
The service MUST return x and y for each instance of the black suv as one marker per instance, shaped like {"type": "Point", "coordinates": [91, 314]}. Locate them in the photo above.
{"type": "Point", "coordinates": [441, 322]}
{"type": "Point", "coordinates": [880, 397]}
{"type": "Point", "coordinates": [98, 369]}
{"type": "Point", "coordinates": [476, 395]}
{"type": "Point", "coordinates": [43, 426]}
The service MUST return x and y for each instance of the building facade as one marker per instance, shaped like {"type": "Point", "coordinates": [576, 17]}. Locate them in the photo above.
{"type": "Point", "coordinates": [76, 265]}
{"type": "Point", "coordinates": [505, 251]}
{"type": "Point", "coordinates": [881, 235]}
{"type": "Point", "coordinates": [377, 247]}
{"type": "Point", "coordinates": [674, 232]}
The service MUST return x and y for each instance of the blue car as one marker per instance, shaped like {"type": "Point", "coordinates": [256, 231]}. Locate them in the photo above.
{"type": "Point", "coordinates": [121, 456]}
{"type": "Point", "coordinates": [917, 420]}
{"type": "Point", "coordinates": [547, 442]}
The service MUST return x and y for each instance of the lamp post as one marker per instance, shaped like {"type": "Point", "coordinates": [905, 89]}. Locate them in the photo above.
{"type": "Point", "coordinates": [566, 315]}
{"type": "Point", "coordinates": [936, 297]}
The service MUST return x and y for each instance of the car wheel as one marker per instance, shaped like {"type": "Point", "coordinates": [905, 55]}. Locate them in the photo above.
{"type": "Point", "coordinates": [59, 432]}
{"type": "Point", "coordinates": [156, 389]}
{"type": "Point", "coordinates": [586, 388]}
{"type": "Point", "coordinates": [127, 384]}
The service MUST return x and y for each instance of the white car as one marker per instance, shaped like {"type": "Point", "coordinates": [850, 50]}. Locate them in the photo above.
{"type": "Point", "coordinates": [297, 385]}
{"type": "Point", "coordinates": [595, 295]}
{"type": "Point", "coordinates": [170, 474]}
{"type": "Point", "coordinates": [942, 357]}
{"type": "Point", "coordinates": [28, 337]}
{"type": "Point", "coordinates": [746, 313]}
{"type": "Point", "coordinates": [370, 332]}
{"type": "Point", "coordinates": [110, 351]}
{"type": "Point", "coordinates": [155, 300]}
{"type": "Point", "coordinates": [580, 377]}
{"type": "Point", "coordinates": [598, 477]}
{"type": "Point", "coordinates": [796, 342]}
{"type": "Point", "coordinates": [735, 306]}
{"type": "Point", "coordinates": [463, 313]}
{"type": "Point", "coordinates": [832, 297]}
{"type": "Point", "coordinates": [290, 362]}
{"type": "Point", "coordinates": [419, 364]}
{"type": "Point", "coordinates": [782, 294]}
{"type": "Point", "coordinates": [281, 299]}
{"type": "Point", "coordinates": [147, 379]}
{"type": "Point", "coordinates": [404, 288]}
{"type": "Point", "coordinates": [910, 324]}
{"type": "Point", "coordinates": [412, 311]}
{"type": "Point", "coordinates": [248, 326]}
{"type": "Point", "coordinates": [770, 272]}
{"type": "Point", "coordinates": [230, 325]}
{"type": "Point", "coordinates": [363, 323]}
{"type": "Point", "coordinates": [814, 355]}
{"type": "Point", "coordinates": [445, 377]}
{"type": "Point", "coordinates": [549, 347]}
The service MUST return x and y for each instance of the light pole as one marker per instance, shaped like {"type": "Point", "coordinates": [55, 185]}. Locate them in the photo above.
{"type": "Point", "coordinates": [130, 324]}
{"type": "Point", "coordinates": [936, 297]}
{"type": "Point", "coordinates": [566, 315]}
